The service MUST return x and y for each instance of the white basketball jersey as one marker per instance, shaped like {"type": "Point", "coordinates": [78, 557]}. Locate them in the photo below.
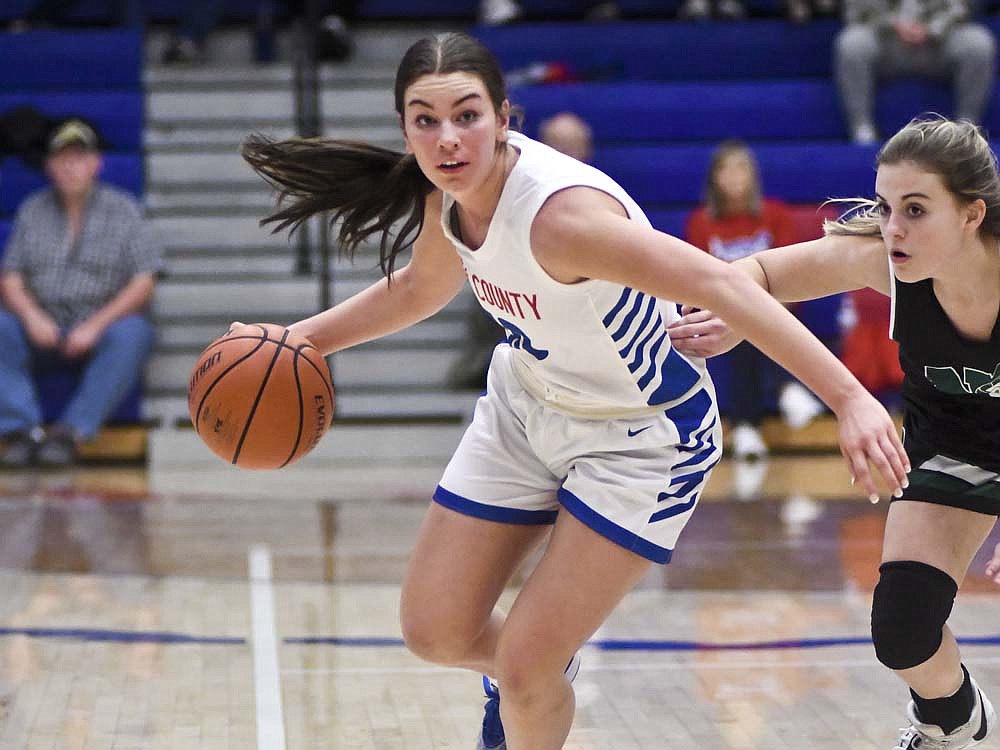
{"type": "Point", "coordinates": [595, 346]}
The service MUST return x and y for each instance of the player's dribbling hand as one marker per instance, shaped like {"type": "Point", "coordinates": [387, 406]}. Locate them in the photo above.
{"type": "Point", "coordinates": [993, 566]}
{"type": "Point", "coordinates": [868, 438]}
{"type": "Point", "coordinates": [701, 333]}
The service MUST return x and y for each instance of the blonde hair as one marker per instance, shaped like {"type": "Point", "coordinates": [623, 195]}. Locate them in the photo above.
{"type": "Point", "coordinates": [714, 199]}
{"type": "Point", "coordinates": [956, 150]}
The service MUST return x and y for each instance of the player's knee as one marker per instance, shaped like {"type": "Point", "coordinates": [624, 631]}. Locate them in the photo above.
{"type": "Point", "coordinates": [434, 638]}
{"type": "Point", "coordinates": [910, 607]}
{"type": "Point", "coordinates": [519, 674]}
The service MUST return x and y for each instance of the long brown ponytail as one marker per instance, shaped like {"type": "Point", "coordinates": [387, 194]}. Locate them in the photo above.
{"type": "Point", "coordinates": [366, 187]}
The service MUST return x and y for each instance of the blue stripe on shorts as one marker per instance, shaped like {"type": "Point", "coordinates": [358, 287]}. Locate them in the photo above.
{"type": "Point", "coordinates": [468, 507]}
{"type": "Point", "coordinates": [623, 537]}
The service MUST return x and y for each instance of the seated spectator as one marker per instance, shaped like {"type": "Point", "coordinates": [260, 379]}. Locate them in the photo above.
{"type": "Point", "coordinates": [565, 132]}
{"type": "Point", "coordinates": [737, 221]}
{"type": "Point", "coordinates": [75, 282]}
{"type": "Point", "coordinates": [929, 38]}
{"type": "Point", "coordinates": [568, 133]}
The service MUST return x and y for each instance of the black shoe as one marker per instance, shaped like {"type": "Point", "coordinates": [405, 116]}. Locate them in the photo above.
{"type": "Point", "coordinates": [18, 451]}
{"type": "Point", "coordinates": [58, 449]}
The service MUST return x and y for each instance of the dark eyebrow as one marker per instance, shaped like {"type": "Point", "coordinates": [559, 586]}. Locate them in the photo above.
{"type": "Point", "coordinates": [473, 95]}
{"type": "Point", "coordinates": [905, 197]}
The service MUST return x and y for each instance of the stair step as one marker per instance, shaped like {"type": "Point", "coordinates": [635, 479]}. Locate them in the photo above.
{"type": "Point", "coordinates": [410, 403]}
{"type": "Point", "coordinates": [192, 337]}
{"type": "Point", "coordinates": [168, 371]}
{"type": "Point", "coordinates": [342, 444]}
{"type": "Point", "coordinates": [194, 137]}
{"type": "Point", "coordinates": [215, 231]}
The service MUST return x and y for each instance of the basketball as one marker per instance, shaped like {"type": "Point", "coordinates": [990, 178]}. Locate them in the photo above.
{"type": "Point", "coordinates": [260, 397]}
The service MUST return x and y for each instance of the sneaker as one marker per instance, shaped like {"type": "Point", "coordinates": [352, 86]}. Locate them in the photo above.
{"type": "Point", "coordinates": [798, 406]}
{"type": "Point", "coordinates": [747, 442]}
{"type": "Point", "coordinates": [920, 736]}
{"type": "Point", "coordinates": [492, 736]}
{"type": "Point", "coordinates": [19, 449]}
{"type": "Point", "coordinates": [58, 449]}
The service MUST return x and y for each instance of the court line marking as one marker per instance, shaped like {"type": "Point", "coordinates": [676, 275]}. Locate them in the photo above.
{"type": "Point", "coordinates": [589, 666]}
{"type": "Point", "coordinates": [264, 638]}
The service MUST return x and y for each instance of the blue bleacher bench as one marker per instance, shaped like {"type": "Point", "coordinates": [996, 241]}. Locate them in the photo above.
{"type": "Point", "coordinates": [62, 60]}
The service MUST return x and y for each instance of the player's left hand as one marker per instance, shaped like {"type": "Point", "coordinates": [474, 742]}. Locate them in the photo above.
{"type": "Point", "coordinates": [993, 566]}
{"type": "Point", "coordinates": [701, 333]}
{"type": "Point", "coordinates": [868, 438]}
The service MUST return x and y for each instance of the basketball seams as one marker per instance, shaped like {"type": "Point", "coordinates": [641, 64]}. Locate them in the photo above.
{"type": "Point", "coordinates": [197, 416]}
{"type": "Point", "coordinates": [298, 389]}
{"type": "Point", "coordinates": [257, 374]}
{"type": "Point", "coordinates": [260, 392]}
{"type": "Point", "coordinates": [322, 376]}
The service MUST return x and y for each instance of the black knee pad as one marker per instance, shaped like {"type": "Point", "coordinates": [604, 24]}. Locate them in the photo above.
{"type": "Point", "coordinates": [912, 603]}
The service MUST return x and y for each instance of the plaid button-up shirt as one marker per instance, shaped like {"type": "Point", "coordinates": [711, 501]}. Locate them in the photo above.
{"type": "Point", "coordinates": [72, 280]}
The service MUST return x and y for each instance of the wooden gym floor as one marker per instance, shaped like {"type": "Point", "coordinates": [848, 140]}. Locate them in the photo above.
{"type": "Point", "coordinates": [182, 609]}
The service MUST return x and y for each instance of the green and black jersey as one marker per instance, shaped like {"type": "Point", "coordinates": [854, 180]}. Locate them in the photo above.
{"type": "Point", "coordinates": [951, 393]}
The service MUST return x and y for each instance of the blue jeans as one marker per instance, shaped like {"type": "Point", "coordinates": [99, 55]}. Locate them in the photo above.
{"type": "Point", "coordinates": [106, 376]}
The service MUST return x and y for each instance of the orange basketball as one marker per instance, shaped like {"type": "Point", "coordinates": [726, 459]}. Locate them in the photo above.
{"type": "Point", "coordinates": [261, 396]}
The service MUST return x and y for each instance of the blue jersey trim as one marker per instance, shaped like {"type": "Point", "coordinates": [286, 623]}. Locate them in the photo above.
{"type": "Point", "coordinates": [629, 317]}
{"type": "Point", "coordinates": [690, 415]}
{"type": "Point", "coordinates": [622, 537]}
{"type": "Point", "coordinates": [639, 359]}
{"type": "Point", "coordinates": [651, 370]}
{"type": "Point", "coordinates": [468, 507]}
{"type": "Point", "coordinates": [618, 306]}
{"type": "Point", "coordinates": [642, 328]}
{"type": "Point", "coordinates": [677, 377]}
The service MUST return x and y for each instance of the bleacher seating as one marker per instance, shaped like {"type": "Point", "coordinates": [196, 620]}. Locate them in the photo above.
{"type": "Point", "coordinates": [94, 74]}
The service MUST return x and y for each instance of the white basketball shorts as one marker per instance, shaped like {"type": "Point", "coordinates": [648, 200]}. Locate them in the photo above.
{"type": "Point", "coordinates": [635, 481]}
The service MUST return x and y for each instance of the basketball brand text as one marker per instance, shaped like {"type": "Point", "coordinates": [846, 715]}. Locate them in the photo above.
{"type": "Point", "coordinates": [320, 403]}
{"type": "Point", "coordinates": [205, 367]}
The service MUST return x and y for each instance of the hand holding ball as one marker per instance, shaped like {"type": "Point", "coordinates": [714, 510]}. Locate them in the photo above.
{"type": "Point", "coordinates": [260, 396]}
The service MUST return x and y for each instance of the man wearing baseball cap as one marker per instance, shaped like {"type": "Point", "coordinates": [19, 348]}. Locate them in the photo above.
{"type": "Point", "coordinates": [75, 282]}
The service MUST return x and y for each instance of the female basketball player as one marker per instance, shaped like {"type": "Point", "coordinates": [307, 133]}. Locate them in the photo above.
{"type": "Point", "coordinates": [930, 241]}
{"type": "Point", "coordinates": [588, 409]}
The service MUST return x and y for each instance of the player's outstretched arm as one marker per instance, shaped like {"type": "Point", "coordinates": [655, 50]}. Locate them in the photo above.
{"type": "Point", "coordinates": [582, 233]}
{"type": "Point", "coordinates": [419, 289]}
{"type": "Point", "coordinates": [808, 270]}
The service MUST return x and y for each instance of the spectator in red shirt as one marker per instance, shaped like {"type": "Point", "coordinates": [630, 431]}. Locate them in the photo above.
{"type": "Point", "coordinates": [736, 221]}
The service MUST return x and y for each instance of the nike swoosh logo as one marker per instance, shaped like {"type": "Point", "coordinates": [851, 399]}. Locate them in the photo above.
{"type": "Point", "coordinates": [981, 734]}
{"type": "Point", "coordinates": [632, 433]}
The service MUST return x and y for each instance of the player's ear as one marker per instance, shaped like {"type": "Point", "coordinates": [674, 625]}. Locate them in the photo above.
{"type": "Point", "coordinates": [406, 138]}
{"type": "Point", "coordinates": [975, 213]}
{"type": "Point", "coordinates": [503, 121]}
